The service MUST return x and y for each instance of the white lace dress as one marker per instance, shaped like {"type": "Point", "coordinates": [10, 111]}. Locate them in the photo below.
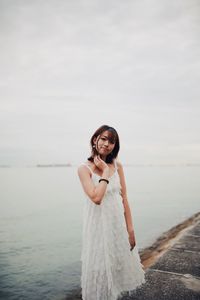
{"type": "Point", "coordinates": [108, 266]}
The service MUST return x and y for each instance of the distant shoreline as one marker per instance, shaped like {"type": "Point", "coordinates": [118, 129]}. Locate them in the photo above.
{"type": "Point", "coordinates": [69, 165]}
{"type": "Point", "coordinates": [149, 255]}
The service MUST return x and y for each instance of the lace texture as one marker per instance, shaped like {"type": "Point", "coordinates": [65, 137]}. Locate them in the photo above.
{"type": "Point", "coordinates": [109, 268]}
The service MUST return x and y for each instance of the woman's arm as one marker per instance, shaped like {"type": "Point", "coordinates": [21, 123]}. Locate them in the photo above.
{"type": "Point", "coordinates": [95, 193]}
{"type": "Point", "coordinates": [127, 210]}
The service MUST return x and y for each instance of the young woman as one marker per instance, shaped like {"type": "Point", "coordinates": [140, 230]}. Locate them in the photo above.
{"type": "Point", "coordinates": [110, 261]}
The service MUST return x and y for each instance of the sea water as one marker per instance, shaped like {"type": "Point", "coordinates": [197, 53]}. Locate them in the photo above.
{"type": "Point", "coordinates": [41, 222]}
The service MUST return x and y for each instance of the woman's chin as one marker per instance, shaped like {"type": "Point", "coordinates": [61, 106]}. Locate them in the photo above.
{"type": "Point", "coordinates": [103, 155]}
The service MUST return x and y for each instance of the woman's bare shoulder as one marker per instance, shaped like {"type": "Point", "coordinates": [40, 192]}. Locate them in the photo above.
{"type": "Point", "coordinates": [83, 167]}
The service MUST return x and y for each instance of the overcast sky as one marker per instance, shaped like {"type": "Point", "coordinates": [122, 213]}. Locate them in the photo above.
{"type": "Point", "coordinates": [68, 67]}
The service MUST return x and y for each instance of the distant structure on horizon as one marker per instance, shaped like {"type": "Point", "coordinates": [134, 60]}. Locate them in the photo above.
{"type": "Point", "coordinates": [53, 165]}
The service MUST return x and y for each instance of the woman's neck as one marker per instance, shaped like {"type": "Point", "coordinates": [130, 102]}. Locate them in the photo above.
{"type": "Point", "coordinates": [103, 157]}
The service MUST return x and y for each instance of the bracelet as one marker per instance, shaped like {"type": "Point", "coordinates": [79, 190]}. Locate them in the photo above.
{"type": "Point", "coordinates": [103, 179]}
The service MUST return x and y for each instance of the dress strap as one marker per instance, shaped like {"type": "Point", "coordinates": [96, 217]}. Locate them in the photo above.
{"type": "Point", "coordinates": [115, 163]}
{"type": "Point", "coordinates": [87, 167]}
{"type": "Point", "coordinates": [85, 164]}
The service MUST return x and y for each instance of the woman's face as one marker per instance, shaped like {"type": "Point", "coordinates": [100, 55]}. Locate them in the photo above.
{"type": "Point", "coordinates": [104, 143]}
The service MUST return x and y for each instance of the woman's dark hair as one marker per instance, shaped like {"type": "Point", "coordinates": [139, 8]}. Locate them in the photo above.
{"type": "Point", "coordinates": [113, 138]}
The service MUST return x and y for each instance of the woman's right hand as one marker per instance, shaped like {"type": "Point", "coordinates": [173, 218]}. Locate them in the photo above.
{"type": "Point", "coordinates": [132, 240]}
{"type": "Point", "coordinates": [100, 163]}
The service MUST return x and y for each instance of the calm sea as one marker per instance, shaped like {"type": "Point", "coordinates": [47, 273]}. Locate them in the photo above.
{"type": "Point", "coordinates": [41, 221]}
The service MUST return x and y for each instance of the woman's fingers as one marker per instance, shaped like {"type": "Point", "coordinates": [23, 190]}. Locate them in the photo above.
{"type": "Point", "coordinates": [132, 242]}
{"type": "Point", "coordinates": [132, 247]}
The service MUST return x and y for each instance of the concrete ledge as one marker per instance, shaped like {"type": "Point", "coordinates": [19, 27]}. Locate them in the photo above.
{"type": "Point", "coordinates": [175, 275]}
{"type": "Point", "coordinates": [167, 286]}
{"type": "Point", "coordinates": [179, 262]}
{"type": "Point", "coordinates": [152, 253]}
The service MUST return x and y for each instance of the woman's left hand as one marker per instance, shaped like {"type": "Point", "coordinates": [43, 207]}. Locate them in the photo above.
{"type": "Point", "coordinates": [132, 240]}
